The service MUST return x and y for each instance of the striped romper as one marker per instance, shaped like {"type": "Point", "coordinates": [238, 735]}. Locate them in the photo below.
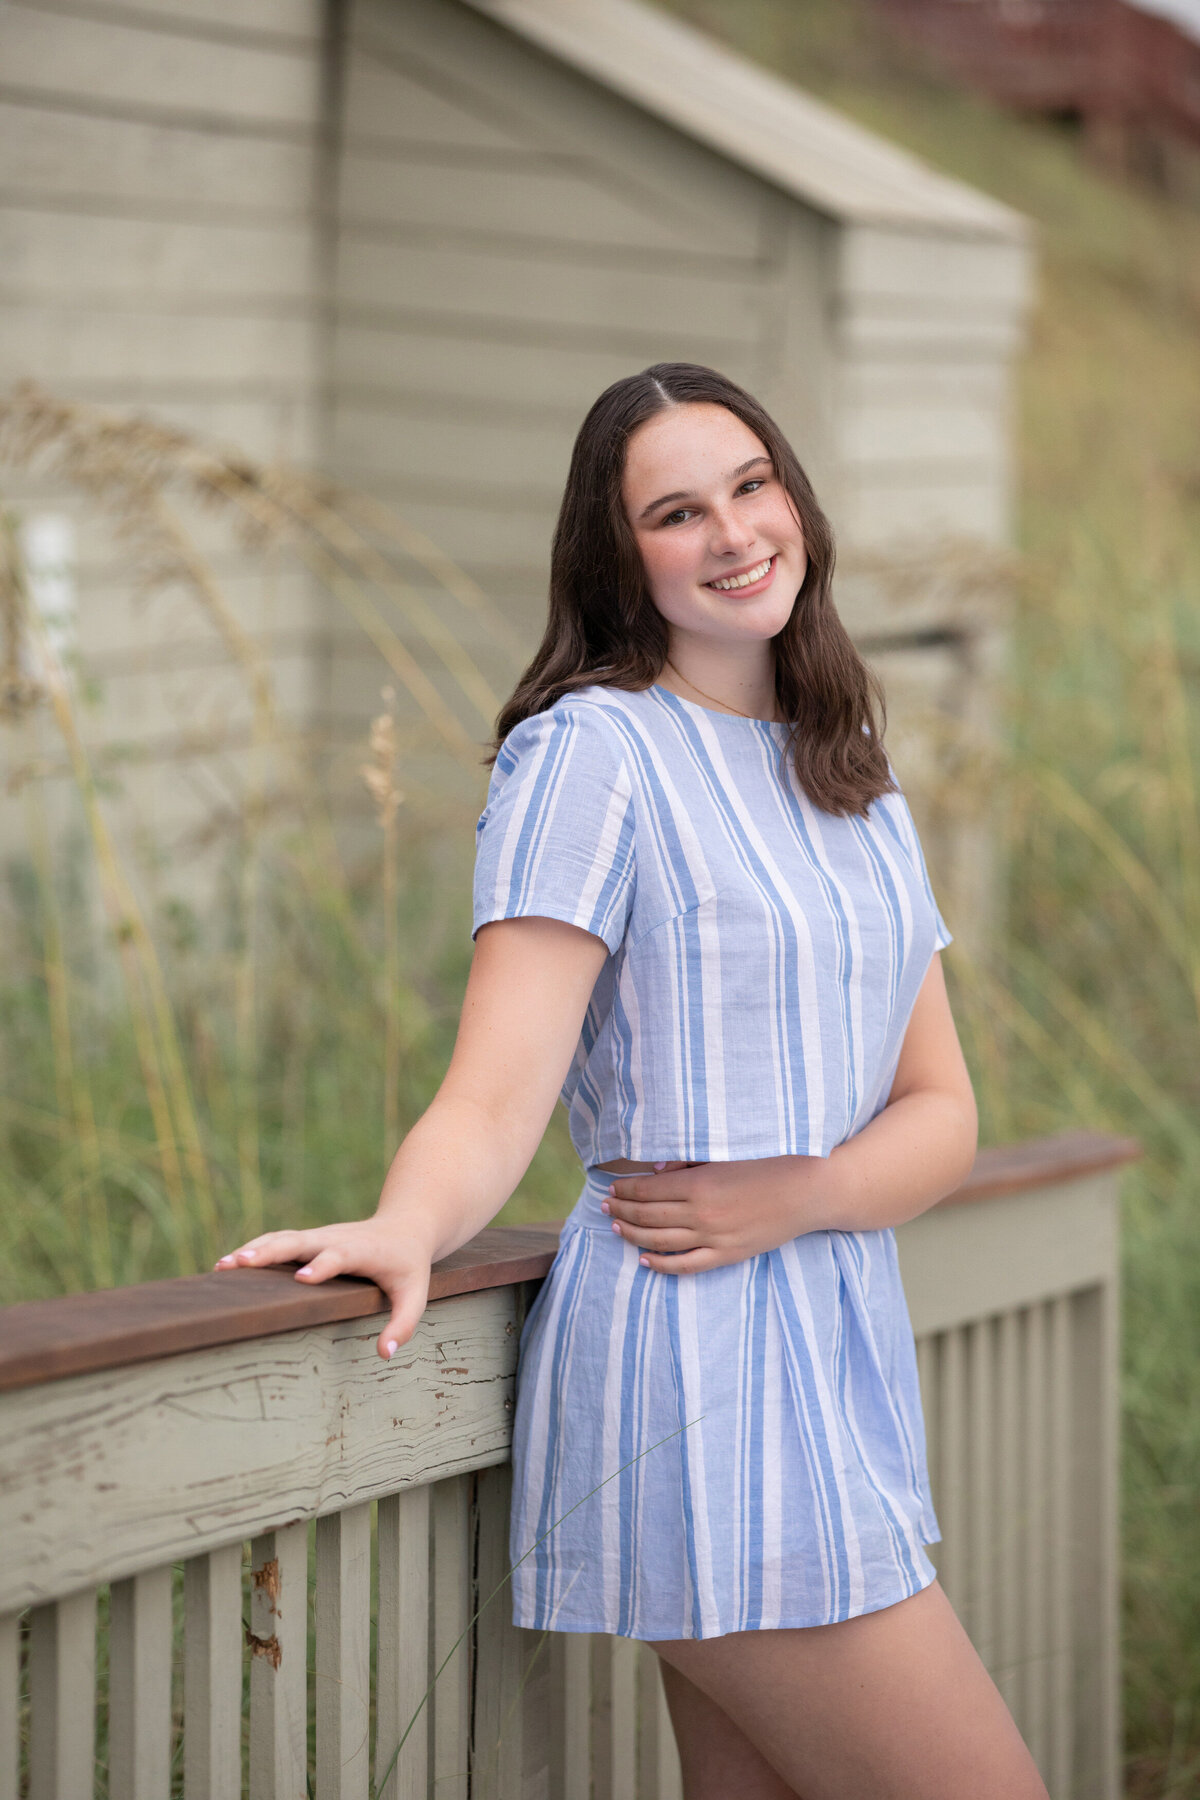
{"type": "Point", "coordinates": [740, 1448]}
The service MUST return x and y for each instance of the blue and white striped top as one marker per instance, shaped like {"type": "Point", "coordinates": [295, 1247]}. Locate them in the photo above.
{"type": "Point", "coordinates": [765, 955]}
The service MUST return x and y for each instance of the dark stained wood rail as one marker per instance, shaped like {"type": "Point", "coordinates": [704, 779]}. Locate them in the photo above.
{"type": "Point", "coordinates": [45, 1340]}
{"type": "Point", "coordinates": [1040, 1162]}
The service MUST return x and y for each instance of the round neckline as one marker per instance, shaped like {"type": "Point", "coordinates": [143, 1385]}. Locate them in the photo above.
{"type": "Point", "coordinates": [710, 712]}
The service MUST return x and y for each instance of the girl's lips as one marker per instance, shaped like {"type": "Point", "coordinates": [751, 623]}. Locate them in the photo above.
{"type": "Point", "coordinates": [753, 587]}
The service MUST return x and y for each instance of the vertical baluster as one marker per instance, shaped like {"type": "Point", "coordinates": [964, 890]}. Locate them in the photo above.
{"type": "Point", "coordinates": [343, 1620]}
{"type": "Point", "coordinates": [501, 1649]}
{"type": "Point", "coordinates": [602, 1718]}
{"type": "Point", "coordinates": [955, 1559]}
{"type": "Point", "coordinates": [1094, 1379]}
{"type": "Point", "coordinates": [10, 1670]}
{"type": "Point", "coordinates": [571, 1712]}
{"type": "Point", "coordinates": [213, 1640]}
{"type": "Point", "coordinates": [451, 1612]}
{"type": "Point", "coordinates": [1010, 1534]}
{"type": "Point", "coordinates": [278, 1664]}
{"type": "Point", "coordinates": [1036, 1560]}
{"type": "Point", "coordinates": [537, 1708]}
{"type": "Point", "coordinates": [623, 1739]}
{"type": "Point", "coordinates": [1062, 1669]}
{"type": "Point", "coordinates": [614, 1704]}
{"type": "Point", "coordinates": [139, 1686]}
{"type": "Point", "coordinates": [659, 1774]}
{"type": "Point", "coordinates": [981, 1429]}
{"type": "Point", "coordinates": [404, 1634]}
{"type": "Point", "coordinates": [62, 1699]}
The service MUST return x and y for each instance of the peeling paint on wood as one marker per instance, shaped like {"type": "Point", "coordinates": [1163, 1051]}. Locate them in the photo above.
{"type": "Point", "coordinates": [107, 1474]}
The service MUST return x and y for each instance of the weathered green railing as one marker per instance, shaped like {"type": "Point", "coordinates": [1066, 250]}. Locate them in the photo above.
{"type": "Point", "coordinates": [224, 1515]}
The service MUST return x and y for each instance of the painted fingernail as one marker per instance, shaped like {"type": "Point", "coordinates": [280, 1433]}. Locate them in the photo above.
{"type": "Point", "coordinates": [645, 1261]}
{"type": "Point", "coordinates": [605, 1207]}
{"type": "Point", "coordinates": [659, 1167]}
{"type": "Point", "coordinates": [306, 1270]}
{"type": "Point", "coordinates": [616, 1227]}
{"type": "Point", "coordinates": [611, 1191]}
{"type": "Point", "coordinates": [391, 1347]}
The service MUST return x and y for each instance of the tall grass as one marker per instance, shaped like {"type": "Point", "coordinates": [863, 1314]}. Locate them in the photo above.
{"type": "Point", "coordinates": [189, 1076]}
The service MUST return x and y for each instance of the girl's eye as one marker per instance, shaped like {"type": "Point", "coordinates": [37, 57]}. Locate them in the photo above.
{"type": "Point", "coordinates": [755, 481]}
{"type": "Point", "coordinates": [680, 512]}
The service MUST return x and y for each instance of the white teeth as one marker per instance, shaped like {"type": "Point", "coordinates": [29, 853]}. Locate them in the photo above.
{"type": "Point", "coordinates": [737, 581]}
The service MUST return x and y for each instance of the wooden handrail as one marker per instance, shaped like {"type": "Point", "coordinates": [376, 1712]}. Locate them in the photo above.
{"type": "Point", "coordinates": [46, 1340]}
{"type": "Point", "coordinates": [1039, 1162]}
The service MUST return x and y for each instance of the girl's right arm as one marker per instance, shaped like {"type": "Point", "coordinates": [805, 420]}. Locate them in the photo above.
{"type": "Point", "coordinates": [528, 990]}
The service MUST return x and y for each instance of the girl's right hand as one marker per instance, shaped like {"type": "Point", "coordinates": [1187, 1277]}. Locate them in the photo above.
{"type": "Point", "coordinates": [396, 1262]}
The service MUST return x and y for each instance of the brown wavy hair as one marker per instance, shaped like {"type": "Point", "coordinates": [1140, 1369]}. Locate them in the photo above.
{"type": "Point", "coordinates": [603, 626]}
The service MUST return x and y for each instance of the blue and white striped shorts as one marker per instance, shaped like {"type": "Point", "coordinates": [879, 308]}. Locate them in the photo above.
{"type": "Point", "coordinates": [735, 1450]}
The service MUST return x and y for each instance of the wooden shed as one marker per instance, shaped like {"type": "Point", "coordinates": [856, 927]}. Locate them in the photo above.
{"type": "Point", "coordinates": [407, 242]}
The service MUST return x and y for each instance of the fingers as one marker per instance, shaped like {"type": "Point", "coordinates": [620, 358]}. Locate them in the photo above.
{"type": "Point", "coordinates": [651, 1215]}
{"type": "Point", "coordinates": [273, 1247]}
{"type": "Point", "coordinates": [692, 1262]}
{"type": "Point", "coordinates": [401, 1269]}
{"type": "Point", "coordinates": [677, 1237]}
{"type": "Point", "coordinates": [670, 1182]}
{"type": "Point", "coordinates": [327, 1262]}
{"type": "Point", "coordinates": [408, 1302]}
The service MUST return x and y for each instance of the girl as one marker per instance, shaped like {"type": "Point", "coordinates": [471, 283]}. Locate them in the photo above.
{"type": "Point", "coordinates": [702, 913]}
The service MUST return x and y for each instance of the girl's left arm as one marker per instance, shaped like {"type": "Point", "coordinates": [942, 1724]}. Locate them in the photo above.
{"type": "Point", "coordinates": [912, 1154]}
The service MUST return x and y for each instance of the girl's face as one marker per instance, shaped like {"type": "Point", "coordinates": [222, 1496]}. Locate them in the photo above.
{"type": "Point", "coordinates": [722, 549]}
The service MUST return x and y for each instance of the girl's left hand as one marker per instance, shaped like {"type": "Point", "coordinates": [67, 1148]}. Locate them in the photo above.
{"type": "Point", "coordinates": [696, 1216]}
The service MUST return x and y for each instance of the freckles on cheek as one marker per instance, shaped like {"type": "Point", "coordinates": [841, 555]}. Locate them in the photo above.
{"type": "Point", "coordinates": [668, 563]}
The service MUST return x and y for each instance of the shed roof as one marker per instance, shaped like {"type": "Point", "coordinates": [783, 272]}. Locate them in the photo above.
{"type": "Point", "coordinates": [749, 115]}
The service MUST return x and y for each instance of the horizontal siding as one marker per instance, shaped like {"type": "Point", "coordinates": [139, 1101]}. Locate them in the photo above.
{"type": "Point", "coordinates": [479, 529]}
{"type": "Point", "coordinates": [157, 169]}
{"type": "Point", "coordinates": [388, 106]}
{"type": "Point", "coordinates": [82, 257]}
{"type": "Point", "coordinates": [416, 446]}
{"type": "Point", "coordinates": [546, 204]}
{"type": "Point", "coordinates": [193, 702]}
{"type": "Point", "coordinates": [474, 376]}
{"type": "Point", "coordinates": [68, 154]}
{"type": "Point", "coordinates": [892, 508]}
{"type": "Point", "coordinates": [50, 53]}
{"type": "Point", "coordinates": [266, 426]}
{"type": "Point", "coordinates": [896, 433]}
{"type": "Point", "coordinates": [919, 266]}
{"type": "Point", "coordinates": [964, 380]}
{"type": "Point", "coordinates": [538, 290]}
{"type": "Point", "coordinates": [480, 66]}
{"type": "Point", "coordinates": [885, 329]}
{"type": "Point", "coordinates": [289, 19]}
{"type": "Point", "coordinates": [128, 348]}
{"type": "Point", "coordinates": [124, 631]}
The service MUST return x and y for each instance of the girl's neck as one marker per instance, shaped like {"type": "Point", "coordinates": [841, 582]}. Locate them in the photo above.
{"type": "Point", "coordinates": [716, 683]}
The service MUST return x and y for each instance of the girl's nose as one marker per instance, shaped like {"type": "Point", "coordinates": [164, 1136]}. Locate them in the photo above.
{"type": "Point", "coordinates": [730, 533]}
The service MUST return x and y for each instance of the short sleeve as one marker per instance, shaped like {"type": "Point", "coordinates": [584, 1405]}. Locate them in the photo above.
{"type": "Point", "coordinates": [942, 934]}
{"type": "Point", "coordinates": [556, 839]}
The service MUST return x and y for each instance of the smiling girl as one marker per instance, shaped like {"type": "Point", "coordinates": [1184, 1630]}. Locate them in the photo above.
{"type": "Point", "coordinates": [702, 916]}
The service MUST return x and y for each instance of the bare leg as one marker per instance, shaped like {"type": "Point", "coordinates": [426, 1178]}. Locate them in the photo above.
{"type": "Point", "coordinates": [718, 1759]}
{"type": "Point", "coordinates": [894, 1705]}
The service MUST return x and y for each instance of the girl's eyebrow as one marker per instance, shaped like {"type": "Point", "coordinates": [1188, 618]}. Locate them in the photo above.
{"type": "Point", "coordinates": [733, 475]}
